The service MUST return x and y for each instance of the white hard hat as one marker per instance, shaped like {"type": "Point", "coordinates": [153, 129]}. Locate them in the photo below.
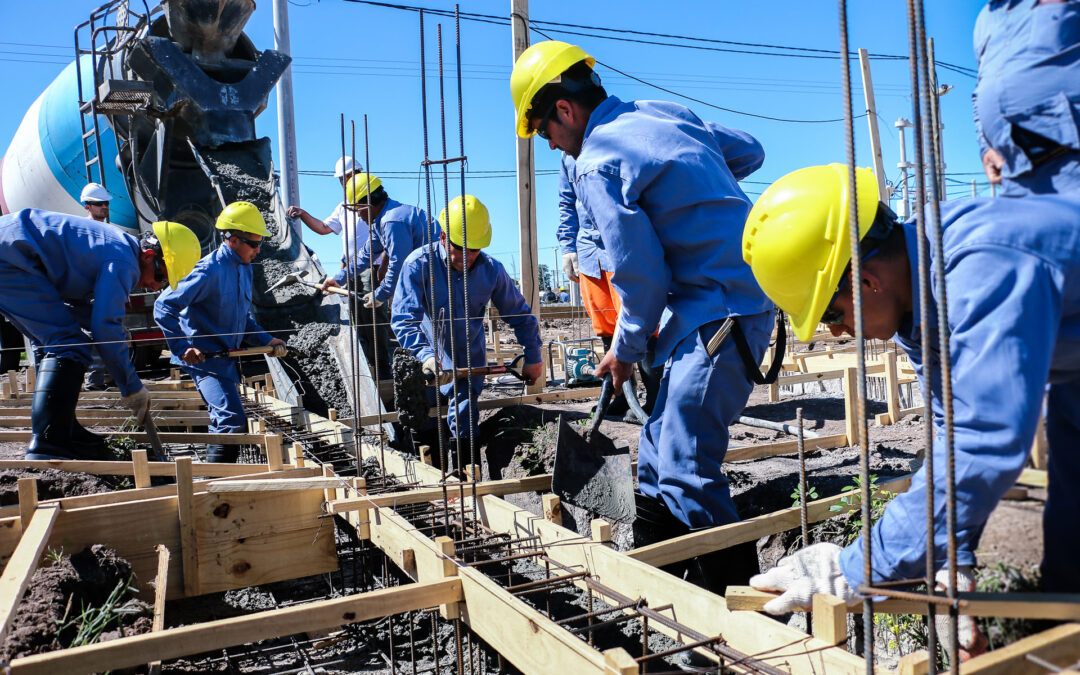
{"type": "Point", "coordinates": [93, 192]}
{"type": "Point", "coordinates": [346, 165]}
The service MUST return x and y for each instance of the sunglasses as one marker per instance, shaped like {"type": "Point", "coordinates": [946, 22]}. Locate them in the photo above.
{"type": "Point", "coordinates": [96, 203]}
{"type": "Point", "coordinates": [250, 242]}
{"type": "Point", "coordinates": [833, 316]}
{"type": "Point", "coordinates": [541, 129]}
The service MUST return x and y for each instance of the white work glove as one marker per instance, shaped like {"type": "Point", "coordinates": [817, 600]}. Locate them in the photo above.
{"type": "Point", "coordinates": [570, 266]}
{"type": "Point", "coordinates": [972, 641]}
{"type": "Point", "coordinates": [280, 351]}
{"type": "Point", "coordinates": [813, 570]}
{"type": "Point", "coordinates": [138, 403]}
{"type": "Point", "coordinates": [370, 302]}
{"type": "Point", "coordinates": [431, 370]}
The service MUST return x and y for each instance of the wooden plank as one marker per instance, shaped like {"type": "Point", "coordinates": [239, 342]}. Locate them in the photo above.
{"type": "Point", "coordinates": [851, 405]}
{"type": "Point", "coordinates": [215, 635]}
{"type": "Point", "coordinates": [492, 404]}
{"type": "Point", "coordinates": [140, 468]}
{"type": "Point", "coordinates": [185, 504]}
{"type": "Point", "coordinates": [1059, 645]}
{"type": "Point", "coordinates": [20, 568]}
{"type": "Point", "coordinates": [166, 437]}
{"type": "Point", "coordinates": [392, 499]}
{"type": "Point", "coordinates": [829, 620]}
{"type": "Point", "coordinates": [892, 386]}
{"type": "Point", "coordinates": [915, 663]}
{"type": "Point", "coordinates": [784, 448]}
{"type": "Point", "coordinates": [1058, 606]}
{"type": "Point", "coordinates": [161, 584]}
{"type": "Point", "coordinates": [1034, 478]}
{"type": "Point", "coordinates": [28, 500]}
{"type": "Point", "coordinates": [617, 661]}
{"type": "Point", "coordinates": [126, 469]}
{"type": "Point", "coordinates": [699, 543]}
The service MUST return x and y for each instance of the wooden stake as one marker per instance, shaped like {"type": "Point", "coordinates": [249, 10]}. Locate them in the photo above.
{"type": "Point", "coordinates": [553, 508]}
{"type": "Point", "coordinates": [161, 584]}
{"type": "Point", "coordinates": [851, 408]}
{"type": "Point", "coordinates": [298, 454]}
{"type": "Point", "coordinates": [20, 567]}
{"type": "Point", "coordinates": [449, 569]}
{"type": "Point", "coordinates": [185, 504]}
{"type": "Point", "coordinates": [425, 454]}
{"type": "Point", "coordinates": [31, 380]}
{"type": "Point", "coordinates": [617, 661]}
{"type": "Point", "coordinates": [892, 387]}
{"type": "Point", "coordinates": [28, 500]}
{"type": "Point", "coordinates": [140, 468]}
{"type": "Point", "coordinates": [363, 516]}
{"type": "Point", "coordinates": [915, 663]}
{"type": "Point", "coordinates": [13, 381]}
{"type": "Point", "coordinates": [601, 531]}
{"type": "Point", "coordinates": [273, 451]}
{"type": "Point", "coordinates": [830, 619]}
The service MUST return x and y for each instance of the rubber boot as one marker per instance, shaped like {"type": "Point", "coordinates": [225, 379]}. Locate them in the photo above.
{"type": "Point", "coordinates": [654, 523]}
{"type": "Point", "coordinates": [650, 378]}
{"type": "Point", "coordinates": [732, 566]}
{"type": "Point", "coordinates": [222, 454]}
{"type": "Point", "coordinates": [53, 415]}
{"type": "Point", "coordinates": [618, 405]}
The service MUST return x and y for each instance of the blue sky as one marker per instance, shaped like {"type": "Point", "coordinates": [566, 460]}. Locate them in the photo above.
{"type": "Point", "coordinates": [359, 59]}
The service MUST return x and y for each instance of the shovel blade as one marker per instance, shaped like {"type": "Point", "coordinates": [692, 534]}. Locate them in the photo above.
{"type": "Point", "coordinates": [593, 474]}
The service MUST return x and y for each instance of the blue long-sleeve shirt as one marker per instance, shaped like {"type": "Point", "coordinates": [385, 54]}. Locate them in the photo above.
{"type": "Point", "coordinates": [210, 310]}
{"type": "Point", "coordinates": [1029, 83]}
{"type": "Point", "coordinates": [656, 181]}
{"type": "Point", "coordinates": [83, 260]}
{"type": "Point", "coordinates": [413, 311]}
{"type": "Point", "coordinates": [1012, 274]}
{"type": "Point", "coordinates": [576, 232]}
{"type": "Point", "coordinates": [398, 230]}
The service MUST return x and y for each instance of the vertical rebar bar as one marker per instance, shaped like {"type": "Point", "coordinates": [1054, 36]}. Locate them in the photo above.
{"type": "Point", "coordinates": [945, 360]}
{"type": "Point", "coordinates": [860, 354]}
{"type": "Point", "coordinates": [349, 244]}
{"type": "Point", "coordinates": [803, 496]}
{"type": "Point", "coordinates": [374, 321]}
{"type": "Point", "coordinates": [924, 308]}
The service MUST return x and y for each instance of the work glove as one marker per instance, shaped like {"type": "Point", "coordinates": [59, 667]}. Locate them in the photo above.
{"type": "Point", "coordinates": [280, 350]}
{"type": "Point", "coordinates": [431, 372]}
{"type": "Point", "coordinates": [370, 301]}
{"type": "Point", "coordinates": [972, 642]}
{"type": "Point", "coordinates": [138, 403]}
{"type": "Point", "coordinates": [570, 266]}
{"type": "Point", "coordinates": [813, 570]}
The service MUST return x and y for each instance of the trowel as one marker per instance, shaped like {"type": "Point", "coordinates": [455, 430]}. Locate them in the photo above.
{"type": "Point", "coordinates": [298, 278]}
{"type": "Point", "coordinates": [592, 471]}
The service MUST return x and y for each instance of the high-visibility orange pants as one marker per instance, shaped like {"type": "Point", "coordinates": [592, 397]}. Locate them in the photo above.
{"type": "Point", "coordinates": [602, 302]}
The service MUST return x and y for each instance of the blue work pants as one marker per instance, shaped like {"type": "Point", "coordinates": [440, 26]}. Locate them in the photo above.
{"type": "Point", "coordinates": [457, 414]}
{"type": "Point", "coordinates": [223, 401]}
{"type": "Point", "coordinates": [682, 447]}
{"type": "Point", "coordinates": [1061, 550]}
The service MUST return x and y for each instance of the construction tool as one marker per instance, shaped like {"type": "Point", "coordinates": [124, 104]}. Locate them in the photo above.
{"type": "Point", "coordinates": [248, 351]}
{"type": "Point", "coordinates": [591, 471]}
{"type": "Point", "coordinates": [157, 453]}
{"type": "Point", "coordinates": [298, 278]}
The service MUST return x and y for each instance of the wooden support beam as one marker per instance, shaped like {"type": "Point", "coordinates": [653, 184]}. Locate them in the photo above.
{"type": "Point", "coordinates": [617, 661]}
{"type": "Point", "coordinates": [274, 459]}
{"type": "Point", "coordinates": [449, 570]}
{"type": "Point", "coordinates": [892, 387]}
{"type": "Point", "coordinates": [20, 568]}
{"type": "Point", "coordinates": [1060, 645]}
{"type": "Point", "coordinates": [493, 404]}
{"type": "Point", "coordinates": [215, 635]}
{"type": "Point", "coordinates": [1034, 478]}
{"type": "Point", "coordinates": [717, 538]}
{"type": "Point", "coordinates": [553, 508]}
{"type": "Point", "coordinates": [28, 500]}
{"type": "Point", "coordinates": [830, 618]}
{"type": "Point", "coordinates": [915, 663]}
{"type": "Point", "coordinates": [887, 418]}
{"type": "Point", "coordinates": [1057, 606]}
{"type": "Point", "coordinates": [785, 448]}
{"type": "Point", "coordinates": [601, 531]}
{"type": "Point", "coordinates": [851, 405]}
{"type": "Point", "coordinates": [140, 468]}
{"type": "Point", "coordinates": [161, 585]}
{"type": "Point", "coordinates": [166, 437]}
{"type": "Point", "coordinates": [185, 505]}
{"type": "Point", "coordinates": [493, 487]}
{"type": "Point", "coordinates": [208, 469]}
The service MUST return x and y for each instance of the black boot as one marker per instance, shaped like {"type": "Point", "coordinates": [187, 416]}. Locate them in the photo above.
{"type": "Point", "coordinates": [53, 415]}
{"type": "Point", "coordinates": [222, 454]}
{"type": "Point", "coordinates": [732, 566]}
{"type": "Point", "coordinates": [654, 523]}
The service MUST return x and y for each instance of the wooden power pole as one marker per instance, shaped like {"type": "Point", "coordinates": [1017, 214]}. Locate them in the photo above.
{"type": "Point", "coordinates": [526, 176]}
{"type": "Point", "coordinates": [871, 120]}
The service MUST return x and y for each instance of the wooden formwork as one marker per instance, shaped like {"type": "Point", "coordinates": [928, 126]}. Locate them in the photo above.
{"type": "Point", "coordinates": [250, 524]}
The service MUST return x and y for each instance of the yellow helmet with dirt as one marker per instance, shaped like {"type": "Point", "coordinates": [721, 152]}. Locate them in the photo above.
{"type": "Point", "coordinates": [476, 220]}
{"type": "Point", "coordinates": [180, 249]}
{"type": "Point", "coordinates": [796, 238]}
{"type": "Point", "coordinates": [242, 217]}
{"type": "Point", "coordinates": [538, 66]}
{"type": "Point", "coordinates": [359, 186]}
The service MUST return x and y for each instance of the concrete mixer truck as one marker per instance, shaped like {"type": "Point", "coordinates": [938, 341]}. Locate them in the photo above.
{"type": "Point", "coordinates": [160, 108]}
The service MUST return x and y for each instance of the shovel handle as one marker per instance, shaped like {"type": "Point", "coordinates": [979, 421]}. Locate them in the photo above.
{"type": "Point", "coordinates": [483, 371]}
{"type": "Point", "coordinates": [607, 390]}
{"type": "Point", "coordinates": [336, 290]}
{"type": "Point", "coordinates": [249, 351]}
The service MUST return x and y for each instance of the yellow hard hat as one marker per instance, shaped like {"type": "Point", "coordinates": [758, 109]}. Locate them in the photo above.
{"type": "Point", "coordinates": [796, 238]}
{"type": "Point", "coordinates": [540, 65]}
{"type": "Point", "coordinates": [476, 220]}
{"type": "Point", "coordinates": [242, 217]}
{"type": "Point", "coordinates": [180, 249]}
{"type": "Point", "coordinates": [356, 189]}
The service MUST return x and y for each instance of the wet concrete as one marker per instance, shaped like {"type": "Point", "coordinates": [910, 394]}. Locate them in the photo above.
{"type": "Point", "coordinates": [410, 391]}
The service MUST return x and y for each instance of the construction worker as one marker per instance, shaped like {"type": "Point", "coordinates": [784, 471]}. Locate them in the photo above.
{"type": "Point", "coordinates": [1027, 99]}
{"type": "Point", "coordinates": [585, 261]}
{"type": "Point", "coordinates": [1013, 278]}
{"type": "Point", "coordinates": [51, 266]}
{"type": "Point", "coordinates": [342, 221]}
{"type": "Point", "coordinates": [415, 315]}
{"type": "Point", "coordinates": [95, 199]}
{"type": "Point", "coordinates": [661, 187]}
{"type": "Point", "coordinates": [564, 296]}
{"type": "Point", "coordinates": [209, 313]}
{"type": "Point", "coordinates": [396, 230]}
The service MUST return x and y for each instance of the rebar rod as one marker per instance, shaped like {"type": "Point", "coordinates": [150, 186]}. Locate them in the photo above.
{"type": "Point", "coordinates": [803, 496]}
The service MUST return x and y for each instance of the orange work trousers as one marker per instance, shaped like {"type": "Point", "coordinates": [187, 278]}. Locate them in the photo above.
{"type": "Point", "coordinates": [602, 302]}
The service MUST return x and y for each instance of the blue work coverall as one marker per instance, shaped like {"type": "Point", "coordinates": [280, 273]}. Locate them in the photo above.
{"type": "Point", "coordinates": [1013, 283]}
{"type": "Point", "coordinates": [662, 187]}
{"type": "Point", "coordinates": [210, 310]}
{"type": "Point", "coordinates": [51, 266]}
{"type": "Point", "coordinates": [1027, 100]}
{"type": "Point", "coordinates": [398, 230]}
{"type": "Point", "coordinates": [413, 326]}
{"type": "Point", "coordinates": [576, 233]}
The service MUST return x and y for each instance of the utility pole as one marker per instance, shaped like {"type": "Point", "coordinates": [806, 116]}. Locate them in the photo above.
{"type": "Point", "coordinates": [974, 192]}
{"type": "Point", "coordinates": [935, 119]}
{"type": "Point", "coordinates": [871, 120]}
{"type": "Point", "coordinates": [903, 165]}
{"type": "Point", "coordinates": [526, 175]}
{"type": "Point", "coordinates": [290, 185]}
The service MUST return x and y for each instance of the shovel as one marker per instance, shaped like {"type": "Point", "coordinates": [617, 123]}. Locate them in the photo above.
{"type": "Point", "coordinates": [592, 471]}
{"type": "Point", "coordinates": [298, 278]}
